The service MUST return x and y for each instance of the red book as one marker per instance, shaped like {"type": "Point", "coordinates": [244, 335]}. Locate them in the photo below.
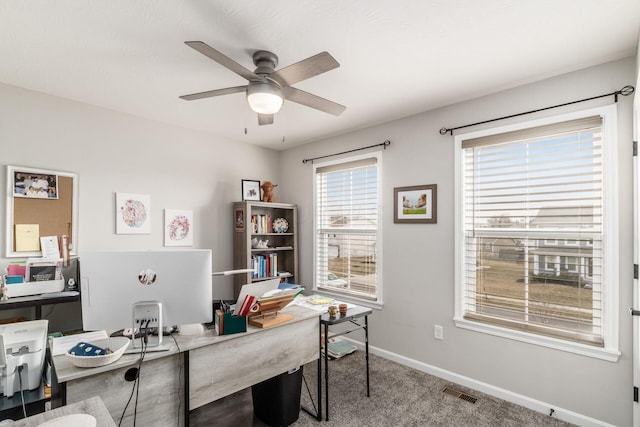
{"type": "Point", "coordinates": [245, 308]}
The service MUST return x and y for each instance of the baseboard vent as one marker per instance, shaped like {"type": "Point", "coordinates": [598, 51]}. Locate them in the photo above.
{"type": "Point", "coordinates": [459, 394]}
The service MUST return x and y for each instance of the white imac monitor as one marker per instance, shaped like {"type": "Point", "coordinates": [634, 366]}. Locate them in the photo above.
{"type": "Point", "coordinates": [178, 282]}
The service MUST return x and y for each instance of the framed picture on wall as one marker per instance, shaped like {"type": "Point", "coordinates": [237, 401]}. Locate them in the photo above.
{"type": "Point", "coordinates": [178, 227]}
{"type": "Point", "coordinates": [34, 184]}
{"type": "Point", "coordinates": [133, 213]}
{"type": "Point", "coordinates": [415, 204]}
{"type": "Point", "coordinates": [250, 190]}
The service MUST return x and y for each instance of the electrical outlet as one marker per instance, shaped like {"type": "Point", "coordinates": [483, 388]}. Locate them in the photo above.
{"type": "Point", "coordinates": [438, 332]}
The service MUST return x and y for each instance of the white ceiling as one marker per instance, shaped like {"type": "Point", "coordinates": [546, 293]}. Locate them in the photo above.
{"type": "Point", "coordinates": [397, 57]}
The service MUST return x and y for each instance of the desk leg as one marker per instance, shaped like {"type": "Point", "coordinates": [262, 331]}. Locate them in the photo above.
{"type": "Point", "coordinates": [317, 414]}
{"type": "Point", "coordinates": [187, 410]}
{"type": "Point", "coordinates": [326, 371]}
{"type": "Point", "coordinates": [366, 347]}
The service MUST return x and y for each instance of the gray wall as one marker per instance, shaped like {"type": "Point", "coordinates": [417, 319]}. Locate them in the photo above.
{"type": "Point", "coordinates": [418, 265]}
{"type": "Point", "coordinates": [113, 152]}
{"type": "Point", "coordinates": [182, 169]}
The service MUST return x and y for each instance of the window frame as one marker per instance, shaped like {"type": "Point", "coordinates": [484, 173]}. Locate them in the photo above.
{"type": "Point", "coordinates": [610, 310]}
{"type": "Point", "coordinates": [378, 302]}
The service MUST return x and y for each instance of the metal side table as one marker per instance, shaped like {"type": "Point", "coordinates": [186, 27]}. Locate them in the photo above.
{"type": "Point", "coordinates": [354, 316]}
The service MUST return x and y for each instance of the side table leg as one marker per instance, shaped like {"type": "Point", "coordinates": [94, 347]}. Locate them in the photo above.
{"type": "Point", "coordinates": [326, 371]}
{"type": "Point", "coordinates": [366, 346]}
{"type": "Point", "coordinates": [319, 379]}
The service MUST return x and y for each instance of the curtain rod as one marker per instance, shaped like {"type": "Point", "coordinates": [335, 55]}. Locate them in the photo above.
{"type": "Point", "coordinates": [384, 144]}
{"type": "Point", "coordinates": [625, 91]}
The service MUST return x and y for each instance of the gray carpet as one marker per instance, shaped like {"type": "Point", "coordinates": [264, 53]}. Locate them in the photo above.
{"type": "Point", "coordinates": [400, 396]}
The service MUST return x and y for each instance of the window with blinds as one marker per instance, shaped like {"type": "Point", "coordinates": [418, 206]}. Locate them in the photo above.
{"type": "Point", "coordinates": [347, 220]}
{"type": "Point", "coordinates": [532, 230]}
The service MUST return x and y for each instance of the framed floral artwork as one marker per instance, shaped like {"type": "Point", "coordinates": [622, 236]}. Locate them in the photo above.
{"type": "Point", "coordinates": [178, 227]}
{"type": "Point", "coordinates": [133, 213]}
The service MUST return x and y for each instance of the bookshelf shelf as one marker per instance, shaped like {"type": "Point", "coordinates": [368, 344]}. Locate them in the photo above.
{"type": "Point", "coordinates": [254, 221]}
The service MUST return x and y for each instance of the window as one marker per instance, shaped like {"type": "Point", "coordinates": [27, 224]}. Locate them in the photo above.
{"type": "Point", "coordinates": [554, 180]}
{"type": "Point", "coordinates": [550, 262]}
{"type": "Point", "coordinates": [347, 227]}
{"type": "Point", "coordinates": [572, 264]}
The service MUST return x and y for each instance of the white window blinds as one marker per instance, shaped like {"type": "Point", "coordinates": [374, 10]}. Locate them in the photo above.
{"type": "Point", "coordinates": [346, 218]}
{"type": "Point", "coordinates": [533, 230]}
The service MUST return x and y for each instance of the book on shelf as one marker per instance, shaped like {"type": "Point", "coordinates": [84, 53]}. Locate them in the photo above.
{"type": "Point", "coordinates": [264, 265]}
{"type": "Point", "coordinates": [262, 224]}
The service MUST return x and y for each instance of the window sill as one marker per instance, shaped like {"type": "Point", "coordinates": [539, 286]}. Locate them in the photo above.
{"type": "Point", "coordinates": [608, 354]}
{"type": "Point", "coordinates": [345, 298]}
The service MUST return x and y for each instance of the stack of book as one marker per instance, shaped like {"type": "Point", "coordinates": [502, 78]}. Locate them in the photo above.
{"type": "Point", "coordinates": [262, 224]}
{"type": "Point", "coordinates": [337, 347]}
{"type": "Point", "coordinates": [264, 265]}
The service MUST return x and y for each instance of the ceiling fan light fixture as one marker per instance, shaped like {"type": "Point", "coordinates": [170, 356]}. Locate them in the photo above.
{"type": "Point", "coordinates": [264, 97]}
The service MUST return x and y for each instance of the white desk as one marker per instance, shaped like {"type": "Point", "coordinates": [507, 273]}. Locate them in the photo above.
{"type": "Point", "coordinates": [203, 369]}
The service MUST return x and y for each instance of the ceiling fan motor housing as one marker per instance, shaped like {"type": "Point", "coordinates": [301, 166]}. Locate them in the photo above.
{"type": "Point", "coordinates": [265, 61]}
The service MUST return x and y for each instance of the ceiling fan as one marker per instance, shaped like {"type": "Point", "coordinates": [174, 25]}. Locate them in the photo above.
{"type": "Point", "coordinates": [267, 87]}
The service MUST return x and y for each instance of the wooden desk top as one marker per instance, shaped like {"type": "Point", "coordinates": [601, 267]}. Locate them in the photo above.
{"type": "Point", "coordinates": [66, 371]}
{"type": "Point", "coordinates": [93, 406]}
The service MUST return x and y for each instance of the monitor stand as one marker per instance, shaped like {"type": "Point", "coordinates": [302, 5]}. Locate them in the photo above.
{"type": "Point", "coordinates": [153, 346]}
{"type": "Point", "coordinates": [147, 314]}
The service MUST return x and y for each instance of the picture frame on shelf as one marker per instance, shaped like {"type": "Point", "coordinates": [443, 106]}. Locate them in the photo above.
{"type": "Point", "coordinates": [415, 204]}
{"type": "Point", "coordinates": [250, 190]}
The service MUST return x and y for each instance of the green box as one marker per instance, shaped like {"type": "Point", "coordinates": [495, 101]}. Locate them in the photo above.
{"type": "Point", "coordinates": [226, 323]}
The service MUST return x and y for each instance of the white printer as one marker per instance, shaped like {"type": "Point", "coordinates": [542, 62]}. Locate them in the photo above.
{"type": "Point", "coordinates": [22, 349]}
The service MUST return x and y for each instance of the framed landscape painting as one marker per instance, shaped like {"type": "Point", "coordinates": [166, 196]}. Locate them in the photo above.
{"type": "Point", "coordinates": [415, 204]}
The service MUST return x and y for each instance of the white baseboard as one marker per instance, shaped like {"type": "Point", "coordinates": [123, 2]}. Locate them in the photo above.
{"type": "Point", "coordinates": [500, 393]}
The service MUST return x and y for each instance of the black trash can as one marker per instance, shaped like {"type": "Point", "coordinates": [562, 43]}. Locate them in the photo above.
{"type": "Point", "coordinates": [276, 401]}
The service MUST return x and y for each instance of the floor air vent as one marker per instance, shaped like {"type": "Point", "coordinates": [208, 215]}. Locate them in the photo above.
{"type": "Point", "coordinates": [460, 395]}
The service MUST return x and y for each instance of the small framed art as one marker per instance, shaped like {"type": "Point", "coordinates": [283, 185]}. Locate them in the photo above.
{"type": "Point", "coordinates": [34, 183]}
{"type": "Point", "coordinates": [250, 190]}
{"type": "Point", "coordinates": [415, 204]}
{"type": "Point", "coordinates": [178, 227]}
{"type": "Point", "coordinates": [239, 219]}
{"type": "Point", "coordinates": [133, 213]}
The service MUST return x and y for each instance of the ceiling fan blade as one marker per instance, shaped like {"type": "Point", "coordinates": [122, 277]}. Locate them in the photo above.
{"type": "Point", "coordinates": [265, 119]}
{"type": "Point", "coordinates": [313, 101]}
{"type": "Point", "coordinates": [312, 66]}
{"type": "Point", "coordinates": [222, 59]}
{"type": "Point", "coordinates": [212, 93]}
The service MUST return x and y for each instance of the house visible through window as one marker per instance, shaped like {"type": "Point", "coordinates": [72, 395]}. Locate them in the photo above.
{"type": "Point", "coordinates": [347, 227]}
{"type": "Point", "coordinates": [552, 185]}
